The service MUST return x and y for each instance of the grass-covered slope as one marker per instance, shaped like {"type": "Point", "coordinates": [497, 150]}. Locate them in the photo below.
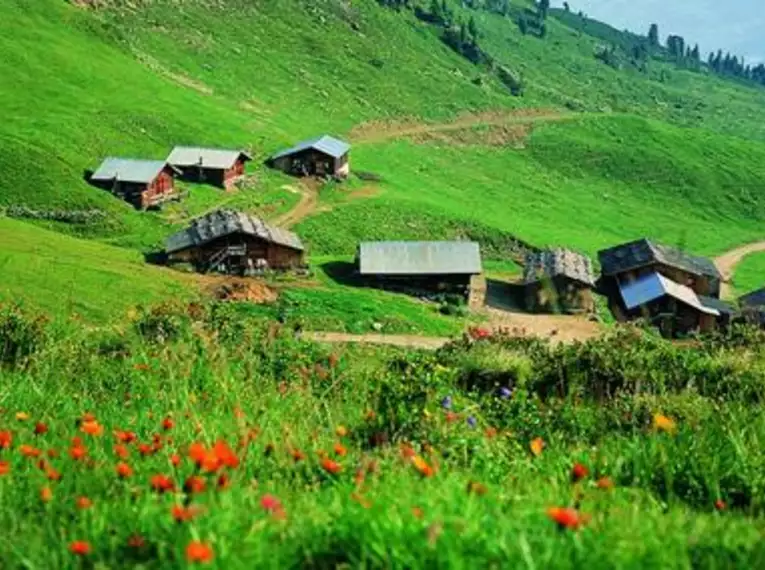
{"type": "Point", "coordinates": [65, 276]}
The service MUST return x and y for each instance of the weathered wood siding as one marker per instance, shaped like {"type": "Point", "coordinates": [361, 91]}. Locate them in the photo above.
{"type": "Point", "coordinates": [277, 256]}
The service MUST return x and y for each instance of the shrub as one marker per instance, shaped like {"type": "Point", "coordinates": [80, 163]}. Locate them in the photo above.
{"type": "Point", "coordinates": [21, 334]}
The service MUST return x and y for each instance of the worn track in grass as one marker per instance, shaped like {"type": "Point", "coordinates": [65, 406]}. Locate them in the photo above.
{"type": "Point", "coordinates": [727, 262]}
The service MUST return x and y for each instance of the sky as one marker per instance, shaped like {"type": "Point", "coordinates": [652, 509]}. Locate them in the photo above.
{"type": "Point", "coordinates": [733, 25]}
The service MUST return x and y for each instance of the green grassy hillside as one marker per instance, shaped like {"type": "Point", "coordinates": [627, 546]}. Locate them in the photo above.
{"type": "Point", "coordinates": [668, 153]}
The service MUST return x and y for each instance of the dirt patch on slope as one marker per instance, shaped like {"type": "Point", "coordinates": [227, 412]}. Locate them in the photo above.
{"type": "Point", "coordinates": [238, 289]}
{"type": "Point", "coordinates": [498, 127]}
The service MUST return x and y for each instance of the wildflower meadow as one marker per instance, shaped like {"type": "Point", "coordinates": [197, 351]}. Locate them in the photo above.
{"type": "Point", "coordinates": [193, 436]}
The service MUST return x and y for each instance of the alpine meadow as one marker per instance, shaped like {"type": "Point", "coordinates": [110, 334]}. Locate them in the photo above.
{"type": "Point", "coordinates": [377, 284]}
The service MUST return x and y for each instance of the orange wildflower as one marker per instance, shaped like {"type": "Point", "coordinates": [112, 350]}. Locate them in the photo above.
{"type": "Point", "coordinates": [29, 451]}
{"type": "Point", "coordinates": [297, 455]}
{"type": "Point", "coordinates": [664, 423]}
{"type": "Point", "coordinates": [491, 432]}
{"type": "Point", "coordinates": [52, 453]}
{"type": "Point", "coordinates": [341, 431]}
{"type": "Point", "coordinates": [52, 474]}
{"type": "Point", "coordinates": [40, 428]}
{"type": "Point", "coordinates": [340, 449]}
{"type": "Point", "coordinates": [407, 451]}
{"type": "Point", "coordinates": [168, 423]}
{"type": "Point", "coordinates": [422, 466]}
{"type": "Point", "coordinates": [223, 482]}
{"type": "Point", "coordinates": [567, 518]}
{"type": "Point", "coordinates": [162, 483]}
{"type": "Point", "coordinates": [125, 436]}
{"type": "Point", "coordinates": [83, 503]}
{"type": "Point", "coordinates": [136, 541]}
{"type": "Point", "coordinates": [124, 470]}
{"type": "Point", "coordinates": [22, 416]}
{"type": "Point", "coordinates": [146, 449]}
{"type": "Point", "coordinates": [370, 415]}
{"type": "Point", "coordinates": [330, 466]}
{"type": "Point", "coordinates": [80, 548]}
{"type": "Point", "coordinates": [199, 552]}
{"type": "Point", "coordinates": [5, 468]}
{"type": "Point", "coordinates": [536, 446]}
{"type": "Point", "coordinates": [185, 514]}
{"type": "Point", "coordinates": [194, 484]}
{"type": "Point", "coordinates": [273, 506]}
{"type": "Point", "coordinates": [6, 439]}
{"type": "Point", "coordinates": [579, 472]}
{"type": "Point", "coordinates": [88, 417]}
{"type": "Point", "coordinates": [604, 483]}
{"type": "Point", "coordinates": [359, 477]}
{"type": "Point", "coordinates": [452, 417]}
{"type": "Point", "coordinates": [720, 505]}
{"type": "Point", "coordinates": [77, 452]}
{"type": "Point", "coordinates": [417, 512]}
{"type": "Point", "coordinates": [46, 495]}
{"type": "Point", "coordinates": [121, 451]}
{"type": "Point", "coordinates": [175, 460]}
{"type": "Point", "coordinates": [225, 454]}
{"type": "Point", "coordinates": [92, 427]}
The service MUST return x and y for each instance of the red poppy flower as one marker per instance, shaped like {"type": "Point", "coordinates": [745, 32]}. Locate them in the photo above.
{"type": "Point", "coordinates": [330, 466]}
{"type": "Point", "coordinates": [297, 455]}
{"type": "Point", "coordinates": [168, 423]}
{"type": "Point", "coordinates": [145, 449]}
{"type": "Point", "coordinates": [225, 454]}
{"type": "Point", "coordinates": [5, 468]}
{"type": "Point", "coordinates": [124, 470]}
{"type": "Point", "coordinates": [194, 484]}
{"type": "Point", "coordinates": [83, 503]}
{"type": "Point", "coordinates": [720, 505]}
{"type": "Point", "coordinates": [52, 474]}
{"type": "Point", "coordinates": [6, 439]}
{"type": "Point", "coordinates": [162, 484]}
{"type": "Point", "coordinates": [121, 451]}
{"type": "Point", "coordinates": [40, 428]}
{"type": "Point", "coordinates": [340, 449]}
{"type": "Point", "coordinates": [79, 548]}
{"type": "Point", "coordinates": [197, 453]}
{"type": "Point", "coordinates": [199, 552]}
{"type": "Point", "coordinates": [579, 472]}
{"type": "Point", "coordinates": [270, 503]}
{"type": "Point", "coordinates": [175, 459]}
{"type": "Point", "coordinates": [567, 518]}
{"type": "Point", "coordinates": [29, 451]}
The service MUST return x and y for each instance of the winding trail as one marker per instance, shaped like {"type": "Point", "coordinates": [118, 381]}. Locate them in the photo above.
{"type": "Point", "coordinates": [727, 262]}
{"type": "Point", "coordinates": [309, 200]}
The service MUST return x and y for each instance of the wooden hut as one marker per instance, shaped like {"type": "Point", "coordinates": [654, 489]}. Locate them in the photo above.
{"type": "Point", "coordinates": [233, 242]}
{"type": "Point", "coordinates": [629, 261]}
{"type": "Point", "coordinates": [558, 280]}
{"type": "Point", "coordinates": [143, 183]}
{"type": "Point", "coordinates": [674, 308]}
{"type": "Point", "coordinates": [323, 156]}
{"type": "Point", "coordinates": [420, 266]}
{"type": "Point", "coordinates": [218, 167]}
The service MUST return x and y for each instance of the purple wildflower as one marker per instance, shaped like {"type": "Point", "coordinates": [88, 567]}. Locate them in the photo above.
{"type": "Point", "coordinates": [472, 421]}
{"type": "Point", "coordinates": [446, 403]}
{"type": "Point", "coordinates": [505, 392]}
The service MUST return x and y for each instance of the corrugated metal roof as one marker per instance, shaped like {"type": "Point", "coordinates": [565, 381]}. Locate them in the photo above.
{"type": "Point", "coordinates": [129, 170]}
{"type": "Point", "coordinates": [325, 144]}
{"type": "Point", "coordinates": [226, 222]}
{"type": "Point", "coordinates": [753, 299]}
{"type": "Point", "coordinates": [557, 262]}
{"type": "Point", "coordinates": [419, 258]}
{"type": "Point", "coordinates": [642, 252]}
{"type": "Point", "coordinates": [205, 157]}
{"type": "Point", "coordinates": [717, 304]}
{"type": "Point", "coordinates": [654, 286]}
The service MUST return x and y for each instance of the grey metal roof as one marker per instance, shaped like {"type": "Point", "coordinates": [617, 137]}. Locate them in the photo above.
{"type": "Point", "coordinates": [215, 158]}
{"type": "Point", "coordinates": [129, 170]}
{"type": "Point", "coordinates": [226, 222]}
{"type": "Point", "coordinates": [419, 258]}
{"type": "Point", "coordinates": [643, 252]}
{"type": "Point", "coordinates": [325, 144]}
{"type": "Point", "coordinates": [558, 262]}
{"type": "Point", "coordinates": [654, 286]}
{"type": "Point", "coordinates": [718, 305]}
{"type": "Point", "coordinates": [753, 299]}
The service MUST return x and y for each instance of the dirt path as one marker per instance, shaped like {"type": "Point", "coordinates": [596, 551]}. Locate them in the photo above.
{"type": "Point", "coordinates": [727, 262]}
{"type": "Point", "coordinates": [309, 199]}
{"type": "Point", "coordinates": [404, 341]}
{"type": "Point", "coordinates": [379, 131]}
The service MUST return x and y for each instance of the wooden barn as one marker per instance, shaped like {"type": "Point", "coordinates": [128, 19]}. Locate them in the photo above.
{"type": "Point", "coordinates": [218, 167]}
{"type": "Point", "coordinates": [232, 242]}
{"type": "Point", "coordinates": [415, 266]}
{"type": "Point", "coordinates": [674, 308]}
{"type": "Point", "coordinates": [323, 156]}
{"type": "Point", "coordinates": [143, 183]}
{"type": "Point", "coordinates": [559, 281]}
